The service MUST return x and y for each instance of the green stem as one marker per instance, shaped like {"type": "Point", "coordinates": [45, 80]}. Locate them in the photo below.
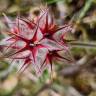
{"type": "Point", "coordinates": [83, 44]}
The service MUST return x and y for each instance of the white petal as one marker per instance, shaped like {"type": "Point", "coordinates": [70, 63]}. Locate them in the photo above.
{"type": "Point", "coordinates": [37, 66]}
{"type": "Point", "coordinates": [51, 45]}
{"type": "Point", "coordinates": [25, 31]}
{"type": "Point", "coordinates": [42, 17]}
{"type": "Point", "coordinates": [9, 21]}
{"type": "Point", "coordinates": [6, 41]}
{"type": "Point", "coordinates": [22, 54]}
{"type": "Point", "coordinates": [39, 35]}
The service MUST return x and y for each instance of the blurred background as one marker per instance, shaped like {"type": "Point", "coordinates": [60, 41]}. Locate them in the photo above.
{"type": "Point", "coordinates": [77, 79]}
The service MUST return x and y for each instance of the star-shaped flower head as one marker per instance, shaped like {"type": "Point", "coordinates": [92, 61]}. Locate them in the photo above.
{"type": "Point", "coordinates": [36, 42]}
